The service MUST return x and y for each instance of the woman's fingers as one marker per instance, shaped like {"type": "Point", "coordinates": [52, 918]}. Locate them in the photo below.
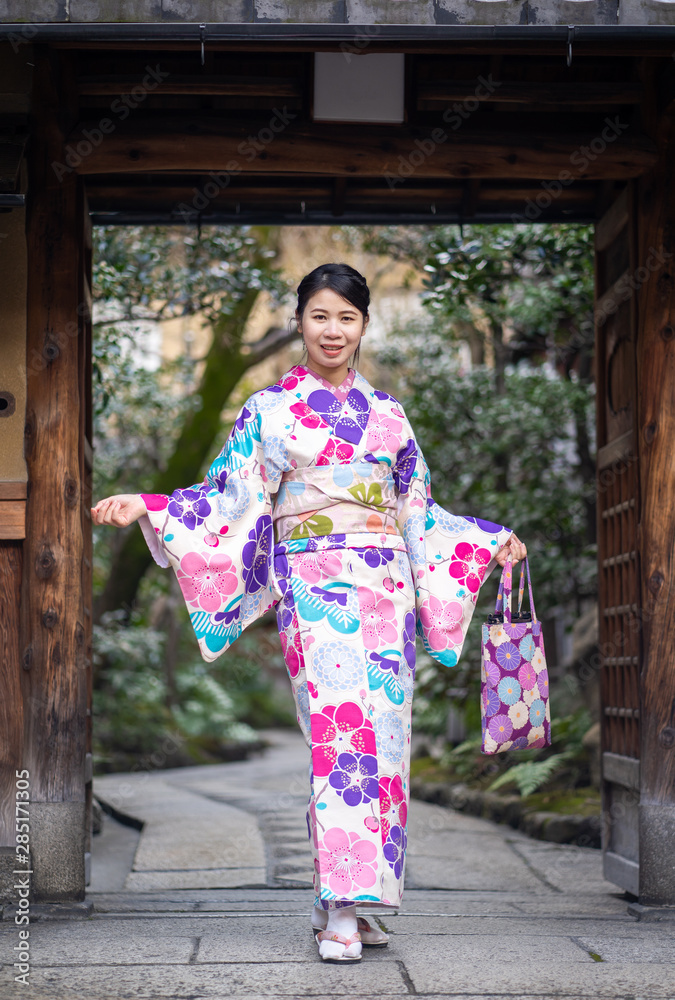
{"type": "Point", "coordinates": [513, 549]}
{"type": "Point", "coordinates": [108, 511]}
{"type": "Point", "coordinates": [119, 510]}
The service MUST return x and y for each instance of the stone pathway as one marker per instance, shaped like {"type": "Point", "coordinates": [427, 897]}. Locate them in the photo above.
{"type": "Point", "coordinates": [211, 900]}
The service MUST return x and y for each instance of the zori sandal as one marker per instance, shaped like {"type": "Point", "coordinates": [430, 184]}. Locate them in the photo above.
{"type": "Point", "coordinates": [371, 937]}
{"type": "Point", "coordinates": [348, 954]}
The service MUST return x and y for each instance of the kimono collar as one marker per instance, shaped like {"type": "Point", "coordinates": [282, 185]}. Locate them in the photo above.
{"type": "Point", "coordinates": [340, 391]}
{"type": "Point", "coordinates": [346, 413]}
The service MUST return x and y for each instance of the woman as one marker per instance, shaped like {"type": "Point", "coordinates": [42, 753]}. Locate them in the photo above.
{"type": "Point", "coordinates": [319, 503]}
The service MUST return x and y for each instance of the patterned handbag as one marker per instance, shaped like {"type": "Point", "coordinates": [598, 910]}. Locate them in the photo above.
{"type": "Point", "coordinates": [514, 705]}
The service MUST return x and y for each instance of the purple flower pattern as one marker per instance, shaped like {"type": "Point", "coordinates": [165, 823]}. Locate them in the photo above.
{"type": "Point", "coordinates": [190, 507]}
{"type": "Point", "coordinates": [256, 553]}
{"type": "Point", "coordinates": [354, 777]}
{"type": "Point", "coordinates": [395, 848]}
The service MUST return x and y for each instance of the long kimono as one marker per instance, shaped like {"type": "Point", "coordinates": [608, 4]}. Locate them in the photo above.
{"type": "Point", "coordinates": [319, 503]}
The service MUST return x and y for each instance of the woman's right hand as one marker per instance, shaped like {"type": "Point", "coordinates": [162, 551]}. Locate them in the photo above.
{"type": "Point", "coordinates": [119, 510]}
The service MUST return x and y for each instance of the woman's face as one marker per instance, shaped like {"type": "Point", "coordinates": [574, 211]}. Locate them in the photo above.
{"type": "Point", "coordinates": [332, 329]}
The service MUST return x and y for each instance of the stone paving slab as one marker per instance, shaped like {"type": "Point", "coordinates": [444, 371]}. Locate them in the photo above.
{"type": "Point", "coordinates": [196, 878]}
{"type": "Point", "coordinates": [182, 829]}
{"type": "Point", "coordinates": [617, 929]}
{"type": "Point", "coordinates": [547, 979]}
{"type": "Point", "coordinates": [632, 948]}
{"type": "Point", "coordinates": [187, 982]}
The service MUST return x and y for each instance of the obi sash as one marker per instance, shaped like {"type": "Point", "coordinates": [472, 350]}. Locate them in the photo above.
{"type": "Point", "coordinates": [359, 498]}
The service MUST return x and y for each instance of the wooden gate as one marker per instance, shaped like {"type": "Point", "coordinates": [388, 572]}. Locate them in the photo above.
{"type": "Point", "coordinates": [618, 518]}
{"type": "Point", "coordinates": [56, 586]}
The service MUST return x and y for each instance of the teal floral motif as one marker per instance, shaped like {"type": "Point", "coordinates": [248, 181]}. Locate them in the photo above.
{"type": "Point", "coordinates": [527, 647]}
{"type": "Point", "coordinates": [448, 657]}
{"type": "Point", "coordinates": [336, 602]}
{"type": "Point", "coordinates": [215, 637]}
{"type": "Point", "coordinates": [390, 671]}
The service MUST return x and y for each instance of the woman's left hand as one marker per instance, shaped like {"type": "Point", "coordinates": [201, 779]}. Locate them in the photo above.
{"type": "Point", "coordinates": [513, 549]}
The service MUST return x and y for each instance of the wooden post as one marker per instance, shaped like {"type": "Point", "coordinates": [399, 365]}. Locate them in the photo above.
{"type": "Point", "coordinates": [11, 711]}
{"type": "Point", "coordinates": [52, 605]}
{"type": "Point", "coordinates": [655, 278]}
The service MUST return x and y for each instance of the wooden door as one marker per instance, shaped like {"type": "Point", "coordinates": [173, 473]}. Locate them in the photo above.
{"type": "Point", "coordinates": [618, 519]}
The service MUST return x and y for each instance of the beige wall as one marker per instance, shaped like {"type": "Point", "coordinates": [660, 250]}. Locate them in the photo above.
{"type": "Point", "coordinates": [13, 277]}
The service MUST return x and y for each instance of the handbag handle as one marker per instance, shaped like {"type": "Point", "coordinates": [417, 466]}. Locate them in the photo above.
{"type": "Point", "coordinates": [521, 588]}
{"type": "Point", "coordinates": [505, 587]}
{"type": "Point", "coordinates": [504, 595]}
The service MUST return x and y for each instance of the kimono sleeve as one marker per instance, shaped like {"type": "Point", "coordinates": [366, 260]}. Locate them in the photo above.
{"type": "Point", "coordinates": [218, 538]}
{"type": "Point", "coordinates": [451, 556]}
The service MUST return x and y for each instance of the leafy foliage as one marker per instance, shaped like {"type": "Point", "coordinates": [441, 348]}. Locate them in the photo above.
{"type": "Point", "coordinates": [530, 775]}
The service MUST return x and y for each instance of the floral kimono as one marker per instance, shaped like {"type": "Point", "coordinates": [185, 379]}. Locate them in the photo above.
{"type": "Point", "coordinates": [320, 503]}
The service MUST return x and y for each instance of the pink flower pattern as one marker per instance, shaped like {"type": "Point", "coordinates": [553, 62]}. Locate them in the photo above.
{"type": "Point", "coordinates": [347, 861]}
{"type": "Point", "coordinates": [341, 452]}
{"type": "Point", "coordinates": [339, 729]}
{"type": "Point", "coordinates": [377, 618]}
{"type": "Point", "coordinates": [383, 432]}
{"type": "Point", "coordinates": [443, 622]}
{"type": "Point", "coordinates": [308, 417]}
{"type": "Point", "coordinates": [393, 804]}
{"type": "Point", "coordinates": [316, 566]}
{"type": "Point", "coordinates": [292, 650]}
{"type": "Point", "coordinates": [468, 565]}
{"type": "Point", "coordinates": [204, 582]}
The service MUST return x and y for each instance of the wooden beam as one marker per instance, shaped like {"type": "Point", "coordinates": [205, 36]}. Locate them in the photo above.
{"type": "Point", "coordinates": [533, 92]}
{"type": "Point", "coordinates": [210, 144]}
{"type": "Point", "coordinates": [13, 489]}
{"type": "Point", "coordinates": [224, 86]}
{"type": "Point", "coordinates": [359, 195]}
{"type": "Point", "coordinates": [339, 194]}
{"type": "Point", "coordinates": [11, 702]}
{"type": "Point", "coordinates": [12, 519]}
{"type": "Point", "coordinates": [584, 49]}
{"type": "Point", "coordinates": [470, 197]}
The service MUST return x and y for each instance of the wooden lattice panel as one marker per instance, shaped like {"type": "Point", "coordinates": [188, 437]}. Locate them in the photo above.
{"type": "Point", "coordinates": [619, 608]}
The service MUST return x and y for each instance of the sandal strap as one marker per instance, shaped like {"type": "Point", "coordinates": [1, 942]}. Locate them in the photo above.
{"type": "Point", "coordinates": [340, 938]}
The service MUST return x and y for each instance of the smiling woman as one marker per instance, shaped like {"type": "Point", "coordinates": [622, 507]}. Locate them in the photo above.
{"type": "Point", "coordinates": [320, 503]}
{"type": "Point", "coordinates": [331, 323]}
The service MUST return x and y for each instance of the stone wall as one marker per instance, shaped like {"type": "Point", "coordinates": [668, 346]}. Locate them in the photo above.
{"type": "Point", "coordinates": [417, 12]}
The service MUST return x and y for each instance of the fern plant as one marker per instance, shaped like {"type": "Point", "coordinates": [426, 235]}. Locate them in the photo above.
{"type": "Point", "coordinates": [531, 775]}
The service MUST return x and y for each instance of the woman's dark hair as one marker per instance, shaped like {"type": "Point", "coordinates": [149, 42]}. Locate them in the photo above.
{"type": "Point", "coordinates": [340, 278]}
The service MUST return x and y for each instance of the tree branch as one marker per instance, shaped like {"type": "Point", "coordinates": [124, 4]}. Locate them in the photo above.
{"type": "Point", "coordinates": [275, 338]}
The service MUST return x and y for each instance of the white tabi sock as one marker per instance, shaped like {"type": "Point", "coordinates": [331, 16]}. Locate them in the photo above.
{"type": "Point", "coordinates": [341, 920]}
